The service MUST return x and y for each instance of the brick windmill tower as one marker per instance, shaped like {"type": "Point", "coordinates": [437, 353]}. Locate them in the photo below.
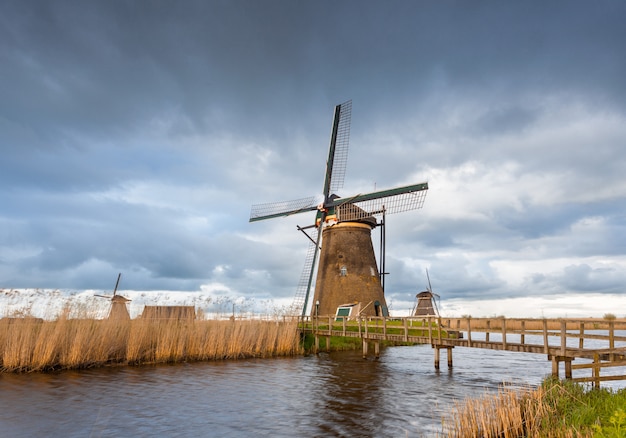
{"type": "Point", "coordinates": [348, 278]}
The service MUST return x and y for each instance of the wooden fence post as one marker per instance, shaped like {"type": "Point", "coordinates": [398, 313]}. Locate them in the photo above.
{"type": "Point", "coordinates": [488, 328]}
{"type": "Point", "coordinates": [563, 337]}
{"type": "Point", "coordinates": [430, 330]}
{"type": "Point", "coordinates": [611, 340]}
{"type": "Point", "coordinates": [581, 336]}
{"type": "Point", "coordinates": [406, 331]}
{"type": "Point", "coordinates": [439, 330]}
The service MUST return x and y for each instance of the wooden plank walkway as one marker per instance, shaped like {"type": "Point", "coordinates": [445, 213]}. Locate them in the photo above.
{"type": "Point", "coordinates": [599, 343]}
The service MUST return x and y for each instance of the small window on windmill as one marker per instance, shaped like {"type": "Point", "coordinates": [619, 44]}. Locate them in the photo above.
{"type": "Point", "coordinates": [347, 311]}
{"type": "Point", "coordinates": [372, 271]}
{"type": "Point", "coordinates": [343, 271]}
{"type": "Point", "coordinates": [342, 312]}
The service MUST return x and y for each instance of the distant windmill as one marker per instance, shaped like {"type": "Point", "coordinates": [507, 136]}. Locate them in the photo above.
{"type": "Point", "coordinates": [118, 303]}
{"type": "Point", "coordinates": [426, 305]}
{"type": "Point", "coordinates": [347, 272]}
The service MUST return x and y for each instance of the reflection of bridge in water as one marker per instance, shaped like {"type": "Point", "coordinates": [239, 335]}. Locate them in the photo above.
{"type": "Point", "coordinates": [599, 343]}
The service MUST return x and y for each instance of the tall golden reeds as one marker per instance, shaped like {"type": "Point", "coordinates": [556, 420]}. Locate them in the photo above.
{"type": "Point", "coordinates": [28, 344]}
{"type": "Point", "coordinates": [509, 413]}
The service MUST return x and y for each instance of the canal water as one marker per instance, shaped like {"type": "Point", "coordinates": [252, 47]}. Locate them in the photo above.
{"type": "Point", "coordinates": [330, 394]}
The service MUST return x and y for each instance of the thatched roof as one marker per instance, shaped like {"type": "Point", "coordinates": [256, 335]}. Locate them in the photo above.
{"type": "Point", "coordinates": [169, 312]}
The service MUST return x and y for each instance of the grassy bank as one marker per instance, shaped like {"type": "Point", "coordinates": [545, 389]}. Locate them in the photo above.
{"type": "Point", "coordinates": [336, 343]}
{"type": "Point", "coordinates": [556, 409]}
{"type": "Point", "coordinates": [339, 343]}
{"type": "Point", "coordinates": [33, 345]}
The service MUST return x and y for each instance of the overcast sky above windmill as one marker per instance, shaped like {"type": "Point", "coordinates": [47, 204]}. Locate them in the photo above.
{"type": "Point", "coordinates": [135, 136]}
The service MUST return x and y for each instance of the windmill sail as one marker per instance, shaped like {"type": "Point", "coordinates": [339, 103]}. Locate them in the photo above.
{"type": "Point", "coordinates": [282, 208]}
{"type": "Point", "coordinates": [304, 285]}
{"type": "Point", "coordinates": [338, 151]}
{"type": "Point", "coordinates": [335, 172]}
{"type": "Point", "coordinates": [390, 201]}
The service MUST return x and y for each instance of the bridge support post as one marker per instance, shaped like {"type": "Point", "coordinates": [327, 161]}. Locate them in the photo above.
{"type": "Point", "coordinates": [438, 355]}
{"type": "Point", "coordinates": [365, 345]}
{"type": "Point", "coordinates": [556, 360]}
{"type": "Point", "coordinates": [317, 344]}
{"type": "Point", "coordinates": [377, 349]}
{"type": "Point", "coordinates": [328, 343]}
{"type": "Point", "coordinates": [596, 370]}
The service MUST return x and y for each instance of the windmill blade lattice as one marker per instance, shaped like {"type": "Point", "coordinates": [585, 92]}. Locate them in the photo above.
{"type": "Point", "coordinates": [390, 201]}
{"type": "Point", "coordinates": [301, 296]}
{"type": "Point", "coordinates": [338, 156]}
{"type": "Point", "coordinates": [282, 208]}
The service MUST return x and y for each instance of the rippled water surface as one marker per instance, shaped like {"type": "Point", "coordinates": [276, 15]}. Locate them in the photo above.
{"type": "Point", "coordinates": [337, 394]}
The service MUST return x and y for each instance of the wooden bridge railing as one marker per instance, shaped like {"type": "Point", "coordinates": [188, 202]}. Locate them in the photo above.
{"type": "Point", "coordinates": [563, 340]}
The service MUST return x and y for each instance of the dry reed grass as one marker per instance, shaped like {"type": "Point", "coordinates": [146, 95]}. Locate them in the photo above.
{"type": "Point", "coordinates": [508, 414]}
{"type": "Point", "coordinates": [28, 344]}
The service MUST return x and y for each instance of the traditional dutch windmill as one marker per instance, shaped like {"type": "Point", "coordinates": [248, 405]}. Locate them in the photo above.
{"type": "Point", "coordinates": [426, 305]}
{"type": "Point", "coordinates": [348, 276]}
{"type": "Point", "coordinates": [118, 303]}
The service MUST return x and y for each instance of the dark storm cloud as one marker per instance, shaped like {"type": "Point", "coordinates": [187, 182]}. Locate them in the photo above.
{"type": "Point", "coordinates": [135, 136]}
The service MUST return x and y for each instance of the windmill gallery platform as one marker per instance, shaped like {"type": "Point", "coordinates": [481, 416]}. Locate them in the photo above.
{"type": "Point", "coordinates": [598, 343]}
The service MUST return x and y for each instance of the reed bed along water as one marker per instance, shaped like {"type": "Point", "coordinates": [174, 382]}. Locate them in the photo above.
{"type": "Point", "coordinates": [562, 409]}
{"type": "Point", "coordinates": [506, 414]}
{"type": "Point", "coordinates": [29, 344]}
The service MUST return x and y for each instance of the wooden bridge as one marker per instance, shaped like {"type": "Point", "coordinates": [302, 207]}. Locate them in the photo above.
{"type": "Point", "coordinates": [599, 343]}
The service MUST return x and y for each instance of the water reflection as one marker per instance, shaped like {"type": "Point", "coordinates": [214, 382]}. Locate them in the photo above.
{"type": "Point", "coordinates": [336, 394]}
{"type": "Point", "coordinates": [351, 392]}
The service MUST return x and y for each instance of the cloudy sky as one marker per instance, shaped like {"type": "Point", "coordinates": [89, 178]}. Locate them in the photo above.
{"type": "Point", "coordinates": [135, 136]}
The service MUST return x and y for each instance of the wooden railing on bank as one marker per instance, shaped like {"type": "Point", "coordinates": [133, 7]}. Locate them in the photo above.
{"type": "Point", "coordinates": [599, 343]}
